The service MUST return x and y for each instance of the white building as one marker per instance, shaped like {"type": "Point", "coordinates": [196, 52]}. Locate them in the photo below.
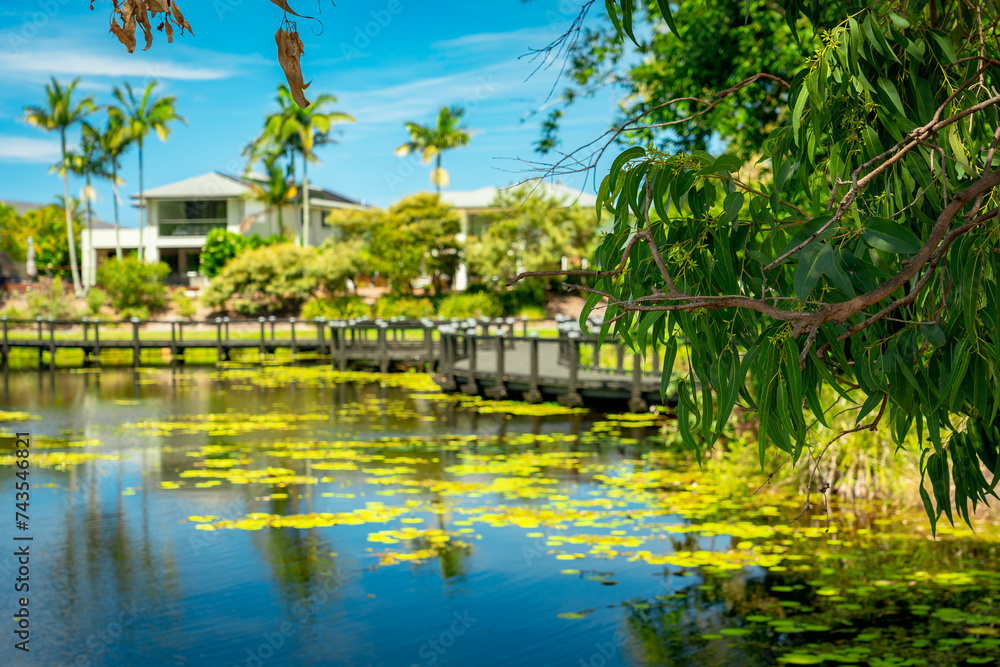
{"type": "Point", "coordinates": [476, 208]}
{"type": "Point", "coordinates": [180, 215]}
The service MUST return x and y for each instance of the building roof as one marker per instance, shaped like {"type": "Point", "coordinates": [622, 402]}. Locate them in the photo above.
{"type": "Point", "coordinates": [216, 185]}
{"type": "Point", "coordinates": [483, 197]}
{"type": "Point", "coordinates": [24, 206]}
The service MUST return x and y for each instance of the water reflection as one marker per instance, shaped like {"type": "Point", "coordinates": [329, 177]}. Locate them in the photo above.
{"type": "Point", "coordinates": [124, 577]}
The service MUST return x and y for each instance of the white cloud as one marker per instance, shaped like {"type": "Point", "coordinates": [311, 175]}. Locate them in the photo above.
{"type": "Point", "coordinates": [538, 36]}
{"type": "Point", "coordinates": [23, 149]}
{"type": "Point", "coordinates": [89, 64]}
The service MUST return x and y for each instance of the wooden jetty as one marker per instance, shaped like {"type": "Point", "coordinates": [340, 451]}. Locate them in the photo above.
{"type": "Point", "coordinates": [488, 357]}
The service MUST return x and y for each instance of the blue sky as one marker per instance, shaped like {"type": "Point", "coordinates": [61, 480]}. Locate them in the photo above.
{"type": "Point", "coordinates": [426, 55]}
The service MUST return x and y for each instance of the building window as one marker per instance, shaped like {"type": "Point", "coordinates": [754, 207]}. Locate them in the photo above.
{"type": "Point", "coordinates": [192, 218]}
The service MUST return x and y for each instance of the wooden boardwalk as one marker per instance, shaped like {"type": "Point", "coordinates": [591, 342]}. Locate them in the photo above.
{"type": "Point", "coordinates": [484, 357]}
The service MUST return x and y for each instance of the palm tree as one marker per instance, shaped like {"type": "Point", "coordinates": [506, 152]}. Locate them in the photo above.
{"type": "Point", "coordinates": [114, 140]}
{"type": "Point", "coordinates": [432, 141]}
{"type": "Point", "coordinates": [276, 191]}
{"type": "Point", "coordinates": [89, 161]}
{"type": "Point", "coordinates": [61, 114]}
{"type": "Point", "coordinates": [302, 131]}
{"type": "Point", "coordinates": [143, 115]}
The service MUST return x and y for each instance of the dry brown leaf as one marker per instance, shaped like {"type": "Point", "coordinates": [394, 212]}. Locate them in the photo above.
{"type": "Point", "coordinates": [179, 18]}
{"type": "Point", "coordinates": [290, 49]}
{"type": "Point", "coordinates": [169, 29]}
{"type": "Point", "coordinates": [126, 31]}
{"type": "Point", "coordinates": [284, 5]}
{"type": "Point", "coordinates": [142, 18]}
{"type": "Point", "coordinates": [157, 5]}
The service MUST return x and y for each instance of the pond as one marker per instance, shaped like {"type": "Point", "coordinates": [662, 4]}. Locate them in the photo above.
{"type": "Point", "coordinates": [298, 516]}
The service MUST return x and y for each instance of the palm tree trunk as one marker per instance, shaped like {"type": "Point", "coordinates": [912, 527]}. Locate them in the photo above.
{"type": "Point", "coordinates": [437, 174]}
{"type": "Point", "coordinates": [305, 201]}
{"type": "Point", "coordinates": [88, 279]}
{"type": "Point", "coordinates": [114, 188]}
{"type": "Point", "coordinates": [69, 220]}
{"type": "Point", "coordinates": [142, 206]}
{"type": "Point", "coordinates": [281, 222]}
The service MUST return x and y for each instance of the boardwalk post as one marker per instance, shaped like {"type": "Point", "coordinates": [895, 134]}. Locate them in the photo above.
{"type": "Point", "coordinates": [333, 344]}
{"type": "Point", "coordinates": [383, 348]}
{"type": "Point", "coordinates": [52, 342]}
{"type": "Point", "coordinates": [97, 340]}
{"type": "Point", "coordinates": [135, 343]}
{"type": "Point", "coordinates": [534, 393]}
{"type": "Point", "coordinates": [447, 365]}
{"type": "Point", "coordinates": [271, 320]}
{"type": "Point", "coordinates": [499, 388]}
{"type": "Point", "coordinates": [637, 403]}
{"type": "Point", "coordinates": [38, 319]}
{"type": "Point", "coordinates": [572, 398]}
{"type": "Point", "coordinates": [429, 344]}
{"type": "Point", "coordinates": [225, 321]}
{"type": "Point", "coordinates": [291, 320]}
{"type": "Point", "coordinates": [218, 340]}
{"type": "Point", "coordinates": [524, 324]}
{"type": "Point", "coordinates": [320, 334]}
{"type": "Point", "coordinates": [263, 349]}
{"type": "Point", "coordinates": [180, 340]}
{"type": "Point", "coordinates": [6, 343]}
{"type": "Point", "coordinates": [472, 386]}
{"type": "Point", "coordinates": [173, 341]}
{"type": "Point", "coordinates": [86, 330]}
{"type": "Point", "coordinates": [342, 343]}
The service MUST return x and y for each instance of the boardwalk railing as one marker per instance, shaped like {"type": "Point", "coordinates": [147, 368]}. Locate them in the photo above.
{"type": "Point", "coordinates": [490, 356]}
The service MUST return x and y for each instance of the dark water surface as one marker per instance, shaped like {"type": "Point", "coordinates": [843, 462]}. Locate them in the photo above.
{"type": "Point", "coordinates": [670, 573]}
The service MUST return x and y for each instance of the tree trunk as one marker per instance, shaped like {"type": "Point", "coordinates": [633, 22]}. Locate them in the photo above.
{"type": "Point", "coordinates": [69, 221]}
{"type": "Point", "coordinates": [305, 201]}
{"type": "Point", "coordinates": [437, 173]}
{"type": "Point", "coordinates": [88, 280]}
{"type": "Point", "coordinates": [141, 251]}
{"type": "Point", "coordinates": [114, 188]}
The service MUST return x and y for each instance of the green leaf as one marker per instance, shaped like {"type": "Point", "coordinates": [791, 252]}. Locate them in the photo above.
{"type": "Point", "coordinates": [807, 230]}
{"type": "Point", "coordinates": [669, 354]}
{"type": "Point", "coordinates": [625, 156]}
{"type": "Point", "coordinates": [732, 205]}
{"type": "Point", "coordinates": [890, 91]}
{"type": "Point", "coordinates": [727, 162]}
{"type": "Point", "coordinates": [934, 334]}
{"type": "Point", "coordinates": [899, 20]}
{"type": "Point", "coordinates": [809, 269]}
{"type": "Point", "coordinates": [627, 20]}
{"type": "Point", "coordinates": [668, 17]}
{"type": "Point", "coordinates": [943, 42]}
{"type": "Point", "coordinates": [800, 105]}
{"type": "Point", "coordinates": [832, 266]}
{"type": "Point", "coordinates": [890, 236]}
{"type": "Point", "coordinates": [932, 516]}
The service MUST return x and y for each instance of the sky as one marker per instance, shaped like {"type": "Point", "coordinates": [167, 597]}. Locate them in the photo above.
{"type": "Point", "coordinates": [387, 62]}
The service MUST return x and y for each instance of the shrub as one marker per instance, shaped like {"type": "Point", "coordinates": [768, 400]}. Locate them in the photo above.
{"type": "Point", "coordinates": [483, 304]}
{"type": "Point", "coordinates": [142, 312]}
{"type": "Point", "coordinates": [186, 307]}
{"type": "Point", "coordinates": [410, 308]}
{"type": "Point", "coordinates": [12, 312]}
{"type": "Point", "coordinates": [340, 308]}
{"type": "Point", "coordinates": [223, 245]}
{"type": "Point", "coordinates": [277, 278]}
{"type": "Point", "coordinates": [51, 301]}
{"type": "Point", "coordinates": [96, 299]}
{"type": "Point", "coordinates": [132, 283]}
